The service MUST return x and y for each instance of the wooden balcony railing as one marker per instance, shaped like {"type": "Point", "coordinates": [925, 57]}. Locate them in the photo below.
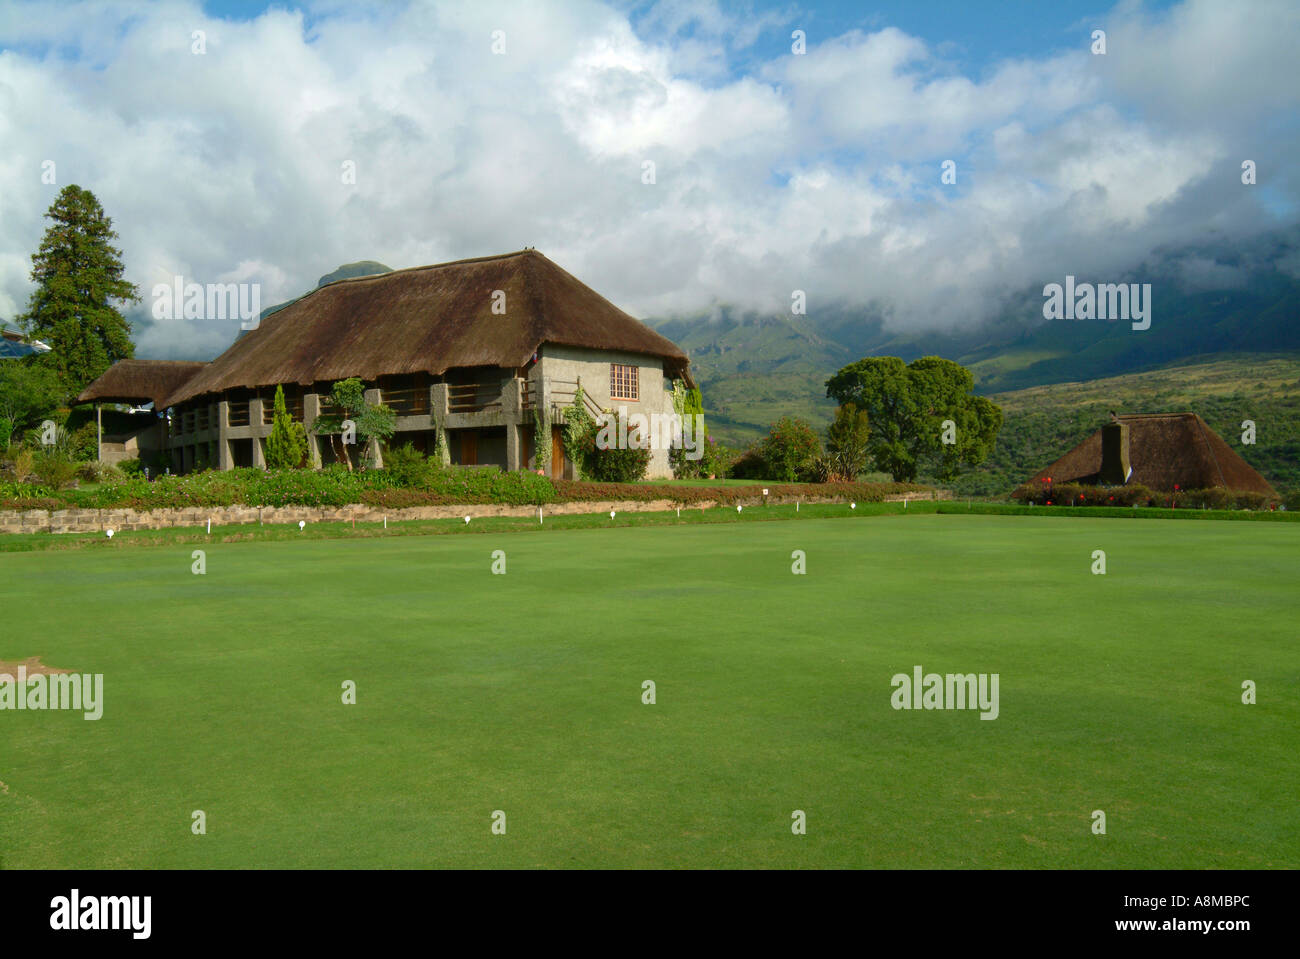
{"type": "Point", "coordinates": [408, 402]}
{"type": "Point", "coordinates": [474, 397]}
{"type": "Point", "coordinates": [293, 404]}
{"type": "Point", "coordinates": [237, 414]}
{"type": "Point", "coordinates": [563, 393]}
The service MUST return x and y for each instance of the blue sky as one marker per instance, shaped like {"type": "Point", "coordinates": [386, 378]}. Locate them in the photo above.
{"type": "Point", "coordinates": [970, 33]}
{"type": "Point", "coordinates": [675, 155]}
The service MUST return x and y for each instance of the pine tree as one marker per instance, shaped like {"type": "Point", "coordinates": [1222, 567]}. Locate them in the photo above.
{"type": "Point", "coordinates": [286, 447]}
{"type": "Point", "coordinates": [78, 273]}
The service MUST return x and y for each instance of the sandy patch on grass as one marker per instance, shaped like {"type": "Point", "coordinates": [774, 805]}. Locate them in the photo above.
{"type": "Point", "coordinates": [34, 668]}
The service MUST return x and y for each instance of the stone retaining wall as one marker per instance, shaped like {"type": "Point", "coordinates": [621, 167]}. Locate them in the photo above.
{"type": "Point", "coordinates": [100, 520]}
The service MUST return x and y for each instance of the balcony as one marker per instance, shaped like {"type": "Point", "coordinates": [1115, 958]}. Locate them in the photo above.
{"type": "Point", "coordinates": [291, 403]}
{"type": "Point", "coordinates": [408, 402]}
{"type": "Point", "coordinates": [475, 397]}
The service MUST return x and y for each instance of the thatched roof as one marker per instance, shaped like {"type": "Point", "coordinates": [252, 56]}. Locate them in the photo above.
{"type": "Point", "coordinates": [428, 319]}
{"type": "Point", "coordinates": [135, 381]}
{"type": "Point", "coordinates": [1165, 449]}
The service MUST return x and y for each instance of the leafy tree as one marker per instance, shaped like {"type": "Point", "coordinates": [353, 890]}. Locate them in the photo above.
{"type": "Point", "coordinates": [689, 404]}
{"type": "Point", "coordinates": [789, 448]}
{"type": "Point", "coordinates": [78, 276]}
{"type": "Point", "coordinates": [29, 393]}
{"type": "Point", "coordinates": [846, 441]}
{"type": "Point", "coordinates": [286, 447]}
{"type": "Point", "coordinates": [907, 404]}
{"type": "Point", "coordinates": [347, 399]}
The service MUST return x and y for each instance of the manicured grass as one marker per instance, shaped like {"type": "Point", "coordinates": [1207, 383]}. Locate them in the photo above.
{"type": "Point", "coordinates": [686, 515]}
{"type": "Point", "coordinates": [479, 692]}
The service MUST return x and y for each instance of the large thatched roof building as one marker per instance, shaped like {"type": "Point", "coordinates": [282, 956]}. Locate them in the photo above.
{"type": "Point", "coordinates": [1160, 451]}
{"type": "Point", "coordinates": [473, 346]}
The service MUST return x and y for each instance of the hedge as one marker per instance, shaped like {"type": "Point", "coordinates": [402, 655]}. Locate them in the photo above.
{"type": "Point", "coordinates": [1077, 494]}
{"type": "Point", "coordinates": [336, 486]}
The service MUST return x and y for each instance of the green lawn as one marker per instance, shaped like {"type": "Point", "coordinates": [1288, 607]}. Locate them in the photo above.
{"type": "Point", "coordinates": [522, 693]}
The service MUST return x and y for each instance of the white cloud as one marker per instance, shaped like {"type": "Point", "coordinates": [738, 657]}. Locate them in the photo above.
{"type": "Point", "coordinates": [818, 172]}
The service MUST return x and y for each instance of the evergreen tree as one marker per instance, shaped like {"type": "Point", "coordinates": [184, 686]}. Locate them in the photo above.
{"type": "Point", "coordinates": [78, 273]}
{"type": "Point", "coordinates": [286, 447]}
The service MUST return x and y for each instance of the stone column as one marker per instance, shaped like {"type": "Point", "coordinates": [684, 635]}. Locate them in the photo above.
{"type": "Point", "coordinates": [376, 455]}
{"type": "Point", "coordinates": [438, 414]}
{"type": "Point", "coordinates": [224, 460]}
{"type": "Point", "coordinates": [255, 414]}
{"type": "Point", "coordinates": [310, 413]}
{"type": "Point", "coordinates": [512, 410]}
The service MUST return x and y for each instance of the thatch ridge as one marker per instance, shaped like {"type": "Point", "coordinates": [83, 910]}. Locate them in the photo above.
{"type": "Point", "coordinates": [428, 319]}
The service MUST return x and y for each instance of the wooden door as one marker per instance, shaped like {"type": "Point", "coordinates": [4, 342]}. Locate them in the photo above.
{"type": "Point", "coordinates": [557, 452]}
{"type": "Point", "coordinates": [469, 448]}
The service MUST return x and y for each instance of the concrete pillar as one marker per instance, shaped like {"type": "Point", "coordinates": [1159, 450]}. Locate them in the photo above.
{"type": "Point", "coordinates": [438, 401]}
{"type": "Point", "coordinates": [224, 460]}
{"type": "Point", "coordinates": [373, 452]}
{"type": "Point", "coordinates": [438, 415]}
{"type": "Point", "coordinates": [512, 403]}
{"type": "Point", "coordinates": [310, 413]}
{"type": "Point", "coordinates": [255, 414]}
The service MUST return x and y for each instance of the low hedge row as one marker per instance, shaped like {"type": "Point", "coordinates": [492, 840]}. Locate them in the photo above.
{"type": "Point", "coordinates": [336, 486]}
{"type": "Point", "coordinates": [1077, 494]}
{"type": "Point", "coordinates": [574, 492]}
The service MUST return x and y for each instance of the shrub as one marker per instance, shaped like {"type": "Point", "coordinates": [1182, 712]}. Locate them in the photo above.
{"type": "Point", "coordinates": [405, 467]}
{"type": "Point", "coordinates": [23, 464]}
{"type": "Point", "coordinates": [821, 470]}
{"type": "Point", "coordinates": [54, 469]}
{"type": "Point", "coordinates": [600, 459]}
{"type": "Point", "coordinates": [97, 471]}
{"type": "Point", "coordinates": [789, 449]}
{"type": "Point", "coordinates": [1245, 500]}
{"type": "Point", "coordinates": [615, 465]}
{"type": "Point", "coordinates": [83, 443]}
{"type": "Point", "coordinates": [748, 464]}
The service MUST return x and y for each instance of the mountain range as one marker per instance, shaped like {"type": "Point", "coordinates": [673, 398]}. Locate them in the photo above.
{"type": "Point", "coordinates": [1205, 301]}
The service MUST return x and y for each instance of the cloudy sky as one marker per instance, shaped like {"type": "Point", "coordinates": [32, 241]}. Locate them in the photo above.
{"type": "Point", "coordinates": [480, 128]}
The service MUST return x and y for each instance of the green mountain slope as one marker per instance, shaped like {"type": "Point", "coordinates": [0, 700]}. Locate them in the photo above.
{"type": "Point", "coordinates": [756, 369]}
{"type": "Point", "coordinates": [753, 370]}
